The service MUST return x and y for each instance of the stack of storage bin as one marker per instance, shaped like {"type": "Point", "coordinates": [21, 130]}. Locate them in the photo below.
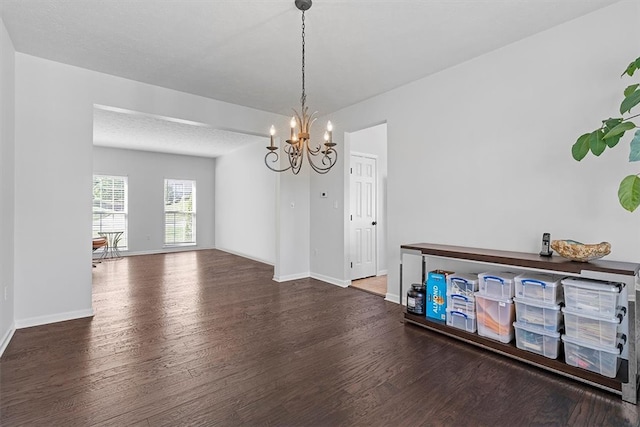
{"type": "Point", "coordinates": [593, 315]}
{"type": "Point", "coordinates": [494, 306]}
{"type": "Point", "coordinates": [538, 315]}
{"type": "Point", "coordinates": [461, 303]}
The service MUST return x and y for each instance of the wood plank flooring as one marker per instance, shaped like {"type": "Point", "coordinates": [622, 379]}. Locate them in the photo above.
{"type": "Point", "coordinates": [207, 338]}
{"type": "Point", "coordinates": [376, 285]}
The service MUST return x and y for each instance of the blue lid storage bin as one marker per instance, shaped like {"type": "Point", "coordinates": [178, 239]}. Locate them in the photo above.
{"type": "Point", "coordinates": [497, 284]}
{"type": "Point", "coordinates": [538, 314]}
{"type": "Point", "coordinates": [545, 288]}
{"type": "Point", "coordinates": [464, 321]}
{"type": "Point", "coordinates": [539, 341]}
{"type": "Point", "coordinates": [495, 317]}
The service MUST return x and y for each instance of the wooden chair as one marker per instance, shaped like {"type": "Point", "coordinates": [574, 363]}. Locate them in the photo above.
{"type": "Point", "coordinates": [99, 242]}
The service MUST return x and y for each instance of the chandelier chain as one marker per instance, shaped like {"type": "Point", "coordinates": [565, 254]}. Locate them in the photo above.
{"type": "Point", "coordinates": [303, 98]}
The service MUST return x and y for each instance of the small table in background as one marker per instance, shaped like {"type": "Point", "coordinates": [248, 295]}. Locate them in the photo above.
{"type": "Point", "coordinates": [113, 238]}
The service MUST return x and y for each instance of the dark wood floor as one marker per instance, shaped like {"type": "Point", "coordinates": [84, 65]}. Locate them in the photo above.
{"type": "Point", "coordinates": [206, 338]}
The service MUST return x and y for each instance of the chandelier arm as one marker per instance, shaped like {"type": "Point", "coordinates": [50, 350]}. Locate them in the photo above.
{"type": "Point", "coordinates": [327, 157]}
{"type": "Point", "coordinates": [266, 157]}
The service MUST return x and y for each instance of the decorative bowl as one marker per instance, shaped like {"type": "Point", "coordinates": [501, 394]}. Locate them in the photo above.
{"type": "Point", "coordinates": [582, 252]}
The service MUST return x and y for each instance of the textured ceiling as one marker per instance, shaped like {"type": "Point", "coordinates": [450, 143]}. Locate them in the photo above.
{"type": "Point", "coordinates": [248, 52]}
{"type": "Point", "coordinates": [119, 128]}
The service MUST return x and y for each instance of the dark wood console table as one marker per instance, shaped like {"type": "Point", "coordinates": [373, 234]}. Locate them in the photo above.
{"type": "Point", "coordinates": [626, 382]}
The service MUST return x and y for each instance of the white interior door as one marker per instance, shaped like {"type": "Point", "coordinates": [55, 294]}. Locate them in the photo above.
{"type": "Point", "coordinates": [363, 216]}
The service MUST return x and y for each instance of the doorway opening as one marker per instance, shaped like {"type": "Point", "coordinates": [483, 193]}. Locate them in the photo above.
{"type": "Point", "coordinates": [367, 209]}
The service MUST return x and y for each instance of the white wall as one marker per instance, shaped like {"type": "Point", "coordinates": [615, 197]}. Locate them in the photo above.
{"type": "Point", "coordinates": [373, 140]}
{"type": "Point", "coordinates": [293, 225]}
{"type": "Point", "coordinates": [53, 134]}
{"type": "Point", "coordinates": [7, 186]}
{"type": "Point", "coordinates": [479, 154]}
{"type": "Point", "coordinates": [245, 200]}
{"type": "Point", "coordinates": [146, 172]}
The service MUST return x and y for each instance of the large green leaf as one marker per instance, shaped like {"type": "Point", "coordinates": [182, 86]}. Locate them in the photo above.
{"type": "Point", "coordinates": [634, 155]}
{"type": "Point", "coordinates": [613, 141]}
{"type": "Point", "coordinates": [620, 129]}
{"type": "Point", "coordinates": [610, 123]}
{"type": "Point", "coordinates": [630, 101]}
{"type": "Point", "coordinates": [630, 89]}
{"type": "Point", "coordinates": [581, 147]}
{"type": "Point", "coordinates": [631, 68]}
{"type": "Point", "coordinates": [629, 193]}
{"type": "Point", "coordinates": [596, 142]}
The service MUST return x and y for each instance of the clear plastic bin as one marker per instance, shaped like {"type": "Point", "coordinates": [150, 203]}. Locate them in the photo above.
{"type": "Point", "coordinates": [537, 341]}
{"type": "Point", "coordinates": [495, 317]}
{"type": "Point", "coordinates": [602, 360]}
{"type": "Point", "coordinates": [497, 284]}
{"type": "Point", "coordinates": [462, 303]}
{"type": "Point", "coordinates": [462, 284]}
{"type": "Point", "coordinates": [592, 296]}
{"type": "Point", "coordinates": [592, 329]}
{"type": "Point", "coordinates": [461, 320]}
{"type": "Point", "coordinates": [537, 314]}
{"type": "Point", "coordinates": [545, 288]}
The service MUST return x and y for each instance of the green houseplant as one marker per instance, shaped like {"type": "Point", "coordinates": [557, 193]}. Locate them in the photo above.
{"type": "Point", "coordinates": [610, 133]}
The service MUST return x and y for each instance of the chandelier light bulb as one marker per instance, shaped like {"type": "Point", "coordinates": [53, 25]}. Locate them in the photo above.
{"type": "Point", "coordinates": [326, 136]}
{"type": "Point", "coordinates": [272, 131]}
{"type": "Point", "coordinates": [329, 126]}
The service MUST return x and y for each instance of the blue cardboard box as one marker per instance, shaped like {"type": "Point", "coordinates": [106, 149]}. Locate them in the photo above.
{"type": "Point", "coordinates": [437, 294]}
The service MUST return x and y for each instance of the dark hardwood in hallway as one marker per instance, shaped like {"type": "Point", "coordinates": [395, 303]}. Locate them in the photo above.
{"type": "Point", "coordinates": [207, 338]}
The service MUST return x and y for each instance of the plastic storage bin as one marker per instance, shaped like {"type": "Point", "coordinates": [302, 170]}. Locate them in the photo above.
{"type": "Point", "coordinates": [592, 296]}
{"type": "Point", "coordinates": [538, 314]}
{"type": "Point", "coordinates": [462, 303]}
{"type": "Point", "coordinates": [542, 287]}
{"type": "Point", "coordinates": [539, 341]}
{"type": "Point", "coordinates": [592, 329]}
{"type": "Point", "coordinates": [460, 320]}
{"type": "Point", "coordinates": [495, 317]}
{"type": "Point", "coordinates": [497, 285]}
{"type": "Point", "coordinates": [602, 360]}
{"type": "Point", "coordinates": [462, 284]}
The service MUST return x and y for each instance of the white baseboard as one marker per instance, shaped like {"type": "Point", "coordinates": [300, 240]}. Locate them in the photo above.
{"type": "Point", "coordinates": [290, 277]}
{"type": "Point", "coordinates": [382, 273]}
{"type": "Point", "coordinates": [6, 339]}
{"type": "Point", "coordinates": [392, 298]}
{"type": "Point", "coordinates": [53, 318]}
{"type": "Point", "coordinates": [331, 280]}
{"type": "Point", "coordinates": [161, 251]}
{"type": "Point", "coordinates": [240, 254]}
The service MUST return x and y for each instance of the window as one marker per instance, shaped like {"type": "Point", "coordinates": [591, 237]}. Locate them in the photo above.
{"type": "Point", "coordinates": [179, 212]}
{"type": "Point", "coordinates": [110, 206]}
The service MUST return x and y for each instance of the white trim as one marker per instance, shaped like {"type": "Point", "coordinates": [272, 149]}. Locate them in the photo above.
{"type": "Point", "coordinates": [366, 155]}
{"type": "Point", "coordinates": [297, 276]}
{"type": "Point", "coordinates": [53, 318]}
{"type": "Point", "coordinates": [382, 273]}
{"type": "Point", "coordinates": [331, 280]}
{"type": "Point", "coordinates": [392, 298]}
{"type": "Point", "coordinates": [161, 251]}
{"type": "Point", "coordinates": [4, 342]}
{"type": "Point", "coordinates": [264, 261]}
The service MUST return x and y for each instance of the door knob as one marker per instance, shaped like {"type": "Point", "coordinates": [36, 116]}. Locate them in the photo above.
{"type": "Point", "coordinates": [374, 223]}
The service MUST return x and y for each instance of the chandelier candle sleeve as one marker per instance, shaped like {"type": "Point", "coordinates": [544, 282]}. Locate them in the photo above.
{"type": "Point", "coordinates": [272, 132]}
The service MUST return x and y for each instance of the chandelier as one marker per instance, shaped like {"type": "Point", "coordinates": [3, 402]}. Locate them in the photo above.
{"type": "Point", "coordinates": [299, 143]}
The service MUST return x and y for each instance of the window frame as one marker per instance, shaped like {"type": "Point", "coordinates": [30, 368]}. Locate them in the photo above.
{"type": "Point", "coordinates": [124, 240]}
{"type": "Point", "coordinates": [192, 213]}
